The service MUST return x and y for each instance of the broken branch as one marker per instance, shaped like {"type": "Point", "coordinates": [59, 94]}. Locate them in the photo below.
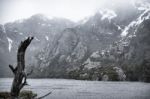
{"type": "Point", "coordinates": [12, 69]}
{"type": "Point", "coordinates": [44, 95]}
{"type": "Point", "coordinates": [30, 72]}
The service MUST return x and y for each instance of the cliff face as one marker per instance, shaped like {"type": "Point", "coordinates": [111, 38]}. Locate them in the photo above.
{"type": "Point", "coordinates": [112, 44]}
{"type": "Point", "coordinates": [137, 55]}
{"type": "Point", "coordinates": [73, 46]}
{"type": "Point", "coordinates": [89, 44]}
{"type": "Point", "coordinates": [42, 28]}
{"type": "Point", "coordinates": [130, 53]}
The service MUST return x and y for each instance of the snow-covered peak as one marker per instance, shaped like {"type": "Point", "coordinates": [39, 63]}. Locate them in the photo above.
{"type": "Point", "coordinates": [107, 14]}
{"type": "Point", "coordinates": [135, 23]}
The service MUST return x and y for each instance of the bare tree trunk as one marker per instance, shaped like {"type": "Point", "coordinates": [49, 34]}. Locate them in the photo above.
{"type": "Point", "coordinates": [20, 76]}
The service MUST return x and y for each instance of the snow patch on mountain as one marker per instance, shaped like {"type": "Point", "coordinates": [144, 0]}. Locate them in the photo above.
{"type": "Point", "coordinates": [84, 20]}
{"type": "Point", "coordinates": [47, 38]}
{"type": "Point", "coordinates": [21, 33]}
{"type": "Point", "coordinates": [119, 28]}
{"type": "Point", "coordinates": [10, 43]}
{"type": "Point", "coordinates": [37, 39]}
{"type": "Point", "coordinates": [107, 14]}
{"type": "Point", "coordinates": [145, 15]}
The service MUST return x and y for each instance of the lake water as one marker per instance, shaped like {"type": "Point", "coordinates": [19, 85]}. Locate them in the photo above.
{"type": "Point", "coordinates": [77, 89]}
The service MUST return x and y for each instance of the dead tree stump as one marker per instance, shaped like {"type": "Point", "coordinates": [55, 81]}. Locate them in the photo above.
{"type": "Point", "coordinates": [20, 76]}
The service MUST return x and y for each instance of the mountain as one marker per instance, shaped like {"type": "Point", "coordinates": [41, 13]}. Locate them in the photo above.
{"type": "Point", "coordinates": [88, 44]}
{"type": "Point", "coordinates": [74, 45]}
{"type": "Point", "coordinates": [130, 54]}
{"type": "Point", "coordinates": [112, 44]}
{"type": "Point", "coordinates": [39, 26]}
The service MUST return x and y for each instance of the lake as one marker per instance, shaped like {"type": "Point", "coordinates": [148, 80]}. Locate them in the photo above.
{"type": "Point", "coordinates": [77, 89]}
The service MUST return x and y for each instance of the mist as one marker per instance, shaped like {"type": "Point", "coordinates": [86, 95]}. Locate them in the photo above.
{"type": "Point", "coordinates": [73, 10]}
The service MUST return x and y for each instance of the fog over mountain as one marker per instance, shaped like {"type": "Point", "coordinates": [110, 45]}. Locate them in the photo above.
{"type": "Point", "coordinates": [111, 44]}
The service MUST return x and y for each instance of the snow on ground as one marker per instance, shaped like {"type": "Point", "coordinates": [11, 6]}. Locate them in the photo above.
{"type": "Point", "coordinates": [77, 89]}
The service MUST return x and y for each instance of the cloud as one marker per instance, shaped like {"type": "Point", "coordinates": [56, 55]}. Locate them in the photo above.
{"type": "Point", "coordinates": [74, 10]}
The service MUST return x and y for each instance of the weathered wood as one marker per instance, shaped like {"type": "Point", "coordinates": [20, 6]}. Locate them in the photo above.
{"type": "Point", "coordinates": [13, 69]}
{"type": "Point", "coordinates": [20, 76]}
{"type": "Point", "coordinates": [44, 96]}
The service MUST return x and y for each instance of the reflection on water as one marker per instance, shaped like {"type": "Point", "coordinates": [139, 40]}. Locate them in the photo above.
{"type": "Point", "coordinates": [76, 89]}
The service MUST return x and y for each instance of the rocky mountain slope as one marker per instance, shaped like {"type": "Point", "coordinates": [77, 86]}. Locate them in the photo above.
{"type": "Point", "coordinates": [39, 26]}
{"type": "Point", "coordinates": [98, 45]}
{"type": "Point", "coordinates": [112, 44]}
{"type": "Point", "coordinates": [130, 54]}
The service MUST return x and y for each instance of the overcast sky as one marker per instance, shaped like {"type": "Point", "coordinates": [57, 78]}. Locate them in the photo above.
{"type": "Point", "coordinates": [74, 10]}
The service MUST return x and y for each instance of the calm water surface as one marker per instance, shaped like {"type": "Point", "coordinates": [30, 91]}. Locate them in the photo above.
{"type": "Point", "coordinates": [76, 89]}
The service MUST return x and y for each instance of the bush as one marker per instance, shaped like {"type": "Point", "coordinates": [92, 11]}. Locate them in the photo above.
{"type": "Point", "coordinates": [25, 94]}
{"type": "Point", "coordinates": [110, 72]}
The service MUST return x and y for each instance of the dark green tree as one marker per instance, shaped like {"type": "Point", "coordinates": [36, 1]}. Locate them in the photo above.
{"type": "Point", "coordinates": [146, 70]}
